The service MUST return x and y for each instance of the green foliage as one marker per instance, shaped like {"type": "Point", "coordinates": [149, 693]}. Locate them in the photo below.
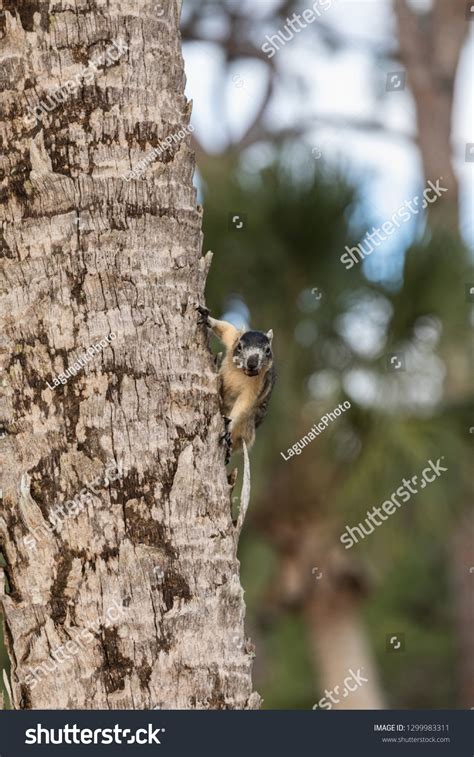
{"type": "Point", "coordinates": [296, 230]}
{"type": "Point", "coordinates": [415, 600]}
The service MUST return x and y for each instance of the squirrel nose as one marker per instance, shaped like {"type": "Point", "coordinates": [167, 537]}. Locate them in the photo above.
{"type": "Point", "coordinates": [252, 362]}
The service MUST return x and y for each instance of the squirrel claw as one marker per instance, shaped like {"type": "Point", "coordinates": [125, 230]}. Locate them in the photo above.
{"type": "Point", "coordinates": [226, 440]}
{"type": "Point", "coordinates": [203, 315]}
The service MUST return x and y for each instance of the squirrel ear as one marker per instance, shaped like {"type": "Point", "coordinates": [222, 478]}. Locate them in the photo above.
{"type": "Point", "coordinates": [269, 335]}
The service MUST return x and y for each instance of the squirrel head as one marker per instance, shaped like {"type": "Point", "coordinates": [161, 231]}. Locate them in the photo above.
{"type": "Point", "coordinates": [252, 352]}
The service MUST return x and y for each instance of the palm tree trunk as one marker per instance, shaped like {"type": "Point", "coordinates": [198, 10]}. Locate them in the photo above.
{"type": "Point", "coordinates": [430, 48]}
{"type": "Point", "coordinates": [462, 557]}
{"type": "Point", "coordinates": [132, 600]}
{"type": "Point", "coordinates": [340, 647]}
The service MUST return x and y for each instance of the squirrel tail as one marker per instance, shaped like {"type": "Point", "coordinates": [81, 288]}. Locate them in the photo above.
{"type": "Point", "coordinates": [245, 493]}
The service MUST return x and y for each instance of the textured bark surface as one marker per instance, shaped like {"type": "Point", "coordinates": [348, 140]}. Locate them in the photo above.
{"type": "Point", "coordinates": [86, 253]}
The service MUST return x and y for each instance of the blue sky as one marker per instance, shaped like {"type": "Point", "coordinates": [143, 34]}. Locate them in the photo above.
{"type": "Point", "coordinates": [347, 84]}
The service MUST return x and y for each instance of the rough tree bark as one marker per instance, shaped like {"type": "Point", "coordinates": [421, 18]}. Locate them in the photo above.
{"type": "Point", "coordinates": [87, 253]}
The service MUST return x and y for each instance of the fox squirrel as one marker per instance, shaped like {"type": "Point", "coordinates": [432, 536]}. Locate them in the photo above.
{"type": "Point", "coordinates": [247, 375]}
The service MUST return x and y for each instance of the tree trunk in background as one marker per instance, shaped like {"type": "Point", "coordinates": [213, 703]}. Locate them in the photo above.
{"type": "Point", "coordinates": [463, 581]}
{"type": "Point", "coordinates": [340, 644]}
{"type": "Point", "coordinates": [329, 588]}
{"type": "Point", "coordinates": [144, 579]}
{"type": "Point", "coordinates": [430, 50]}
{"type": "Point", "coordinates": [430, 47]}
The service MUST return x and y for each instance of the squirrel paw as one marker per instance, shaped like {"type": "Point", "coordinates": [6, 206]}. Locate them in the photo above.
{"type": "Point", "coordinates": [203, 316]}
